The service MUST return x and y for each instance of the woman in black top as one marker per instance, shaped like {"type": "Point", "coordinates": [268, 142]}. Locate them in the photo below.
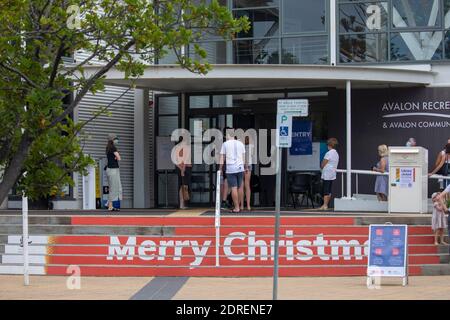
{"type": "Point", "coordinates": [113, 173]}
{"type": "Point", "coordinates": [442, 165]}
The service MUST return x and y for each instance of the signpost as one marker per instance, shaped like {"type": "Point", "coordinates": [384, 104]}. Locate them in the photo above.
{"type": "Point", "coordinates": [388, 252]}
{"type": "Point", "coordinates": [286, 109]}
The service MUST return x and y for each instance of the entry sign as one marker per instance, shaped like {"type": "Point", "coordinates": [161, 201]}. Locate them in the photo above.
{"type": "Point", "coordinates": [287, 109]}
{"type": "Point", "coordinates": [388, 251]}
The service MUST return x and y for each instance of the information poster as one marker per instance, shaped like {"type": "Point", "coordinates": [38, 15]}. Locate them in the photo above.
{"type": "Point", "coordinates": [405, 177]}
{"type": "Point", "coordinates": [387, 250]}
{"type": "Point", "coordinates": [308, 162]}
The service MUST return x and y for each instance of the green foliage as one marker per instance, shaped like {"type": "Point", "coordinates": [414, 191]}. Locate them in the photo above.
{"type": "Point", "coordinates": [35, 35]}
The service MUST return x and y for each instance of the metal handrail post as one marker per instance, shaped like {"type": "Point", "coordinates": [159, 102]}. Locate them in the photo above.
{"type": "Point", "coordinates": [217, 218]}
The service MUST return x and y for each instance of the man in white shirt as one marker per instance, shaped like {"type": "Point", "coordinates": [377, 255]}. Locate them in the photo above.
{"type": "Point", "coordinates": [233, 151]}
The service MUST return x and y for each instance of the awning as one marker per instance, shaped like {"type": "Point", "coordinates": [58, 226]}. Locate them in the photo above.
{"type": "Point", "coordinates": [172, 78]}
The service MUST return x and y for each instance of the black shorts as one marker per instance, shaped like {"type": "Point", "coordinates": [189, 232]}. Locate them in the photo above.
{"type": "Point", "coordinates": [327, 184]}
{"type": "Point", "coordinates": [186, 180]}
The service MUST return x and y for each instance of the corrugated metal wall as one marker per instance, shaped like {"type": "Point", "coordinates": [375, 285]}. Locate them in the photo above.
{"type": "Point", "coordinates": [120, 122]}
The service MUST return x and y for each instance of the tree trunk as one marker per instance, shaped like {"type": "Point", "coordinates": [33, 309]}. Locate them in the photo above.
{"type": "Point", "coordinates": [14, 170]}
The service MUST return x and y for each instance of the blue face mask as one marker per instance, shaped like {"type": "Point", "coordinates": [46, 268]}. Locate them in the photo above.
{"type": "Point", "coordinates": [116, 141]}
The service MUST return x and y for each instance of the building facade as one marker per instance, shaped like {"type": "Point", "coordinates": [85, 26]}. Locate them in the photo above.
{"type": "Point", "coordinates": [392, 56]}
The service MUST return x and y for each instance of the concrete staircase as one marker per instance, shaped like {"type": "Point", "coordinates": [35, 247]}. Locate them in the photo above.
{"type": "Point", "coordinates": [185, 246]}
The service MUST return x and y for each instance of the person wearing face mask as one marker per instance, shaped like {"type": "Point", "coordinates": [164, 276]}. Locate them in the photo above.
{"type": "Point", "coordinates": [411, 142]}
{"type": "Point", "coordinates": [113, 172]}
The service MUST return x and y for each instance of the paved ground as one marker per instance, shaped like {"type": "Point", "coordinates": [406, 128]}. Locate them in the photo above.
{"type": "Point", "coordinates": [55, 288]}
{"type": "Point", "coordinates": [46, 287]}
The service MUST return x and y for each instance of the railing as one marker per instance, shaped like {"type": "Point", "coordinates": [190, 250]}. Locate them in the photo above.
{"type": "Point", "coordinates": [375, 173]}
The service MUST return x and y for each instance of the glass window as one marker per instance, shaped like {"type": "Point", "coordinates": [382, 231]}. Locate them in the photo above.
{"type": "Point", "coordinates": [216, 52]}
{"type": "Point", "coordinates": [167, 124]}
{"type": "Point", "coordinates": [171, 183]}
{"type": "Point", "coordinates": [416, 13]}
{"type": "Point", "coordinates": [197, 124]}
{"type": "Point", "coordinates": [254, 3]}
{"type": "Point", "coordinates": [363, 17]}
{"type": "Point", "coordinates": [222, 101]}
{"type": "Point", "coordinates": [263, 51]}
{"type": "Point", "coordinates": [447, 45]}
{"type": "Point", "coordinates": [168, 105]}
{"type": "Point", "coordinates": [168, 58]}
{"type": "Point", "coordinates": [263, 22]}
{"type": "Point", "coordinates": [407, 46]}
{"type": "Point", "coordinates": [363, 48]}
{"type": "Point", "coordinates": [200, 188]}
{"type": "Point", "coordinates": [304, 15]}
{"type": "Point", "coordinates": [447, 13]}
{"type": "Point", "coordinates": [305, 50]}
{"type": "Point", "coordinates": [198, 102]}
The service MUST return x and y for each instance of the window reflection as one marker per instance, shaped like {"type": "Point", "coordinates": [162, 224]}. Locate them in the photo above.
{"type": "Point", "coordinates": [413, 31]}
{"type": "Point", "coordinates": [304, 15]}
{"type": "Point", "coordinates": [262, 51]}
{"type": "Point", "coordinates": [407, 46]}
{"type": "Point", "coordinates": [363, 48]}
{"type": "Point", "coordinates": [263, 22]}
{"type": "Point", "coordinates": [305, 50]}
{"type": "Point", "coordinates": [416, 13]}
{"type": "Point", "coordinates": [216, 52]}
{"type": "Point", "coordinates": [363, 17]}
{"type": "Point", "coordinates": [254, 3]}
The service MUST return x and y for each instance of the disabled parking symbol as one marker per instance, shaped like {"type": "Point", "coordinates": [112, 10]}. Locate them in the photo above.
{"type": "Point", "coordinates": [284, 131]}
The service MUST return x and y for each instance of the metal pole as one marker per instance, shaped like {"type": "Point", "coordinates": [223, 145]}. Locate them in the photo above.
{"type": "Point", "coordinates": [277, 223]}
{"type": "Point", "coordinates": [357, 183]}
{"type": "Point", "coordinates": [349, 138]}
{"type": "Point", "coordinates": [217, 220]}
{"type": "Point", "coordinates": [25, 239]}
{"type": "Point", "coordinates": [333, 47]}
{"type": "Point", "coordinates": [167, 182]}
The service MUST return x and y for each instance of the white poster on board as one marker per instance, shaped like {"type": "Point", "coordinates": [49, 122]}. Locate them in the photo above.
{"type": "Point", "coordinates": [305, 162]}
{"type": "Point", "coordinates": [164, 148]}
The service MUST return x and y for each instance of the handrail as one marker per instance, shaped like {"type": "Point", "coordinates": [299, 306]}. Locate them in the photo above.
{"type": "Point", "coordinates": [366, 172]}
{"type": "Point", "coordinates": [375, 173]}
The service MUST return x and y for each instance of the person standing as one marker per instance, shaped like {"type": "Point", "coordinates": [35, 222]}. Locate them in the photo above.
{"type": "Point", "coordinates": [233, 152]}
{"type": "Point", "coordinates": [438, 220]}
{"type": "Point", "coordinates": [113, 172]}
{"type": "Point", "coordinates": [329, 166]}
{"type": "Point", "coordinates": [184, 169]}
{"type": "Point", "coordinates": [442, 164]}
{"type": "Point", "coordinates": [249, 153]}
{"type": "Point", "coordinates": [382, 181]}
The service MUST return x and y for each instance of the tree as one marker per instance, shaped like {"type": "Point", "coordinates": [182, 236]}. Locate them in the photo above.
{"type": "Point", "coordinates": [37, 133]}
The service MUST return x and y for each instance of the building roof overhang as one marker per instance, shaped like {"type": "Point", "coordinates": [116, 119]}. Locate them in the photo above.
{"type": "Point", "coordinates": [172, 78]}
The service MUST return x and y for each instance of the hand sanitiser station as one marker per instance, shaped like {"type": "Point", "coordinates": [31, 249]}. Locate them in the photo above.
{"type": "Point", "coordinates": [408, 179]}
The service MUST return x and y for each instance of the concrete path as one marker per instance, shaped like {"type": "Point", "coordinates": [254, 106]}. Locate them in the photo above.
{"type": "Point", "coordinates": [54, 288]}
